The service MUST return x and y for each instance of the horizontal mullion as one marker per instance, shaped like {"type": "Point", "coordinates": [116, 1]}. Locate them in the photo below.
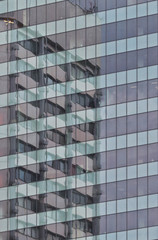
{"type": "Point", "coordinates": [79, 149]}
{"type": "Point", "coordinates": [73, 213]}
{"type": "Point", "coordinates": [79, 117]}
{"type": "Point", "coordinates": [79, 22]}
{"type": "Point", "coordinates": [78, 54]}
{"type": "Point", "coordinates": [78, 86]}
{"type": "Point", "coordinates": [79, 181]}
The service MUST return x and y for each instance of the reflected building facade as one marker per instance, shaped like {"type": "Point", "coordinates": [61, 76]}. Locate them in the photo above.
{"type": "Point", "coordinates": [78, 119]}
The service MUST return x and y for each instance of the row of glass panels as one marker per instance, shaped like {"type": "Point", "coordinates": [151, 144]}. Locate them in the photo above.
{"type": "Point", "coordinates": [79, 181]}
{"type": "Point", "coordinates": [77, 86]}
{"type": "Point", "coordinates": [150, 233]}
{"type": "Point", "coordinates": [78, 54]}
{"type": "Point", "coordinates": [14, 5]}
{"type": "Point", "coordinates": [79, 149]}
{"type": "Point", "coordinates": [79, 22]}
{"type": "Point", "coordinates": [74, 213]}
{"type": "Point", "coordinates": [79, 117]}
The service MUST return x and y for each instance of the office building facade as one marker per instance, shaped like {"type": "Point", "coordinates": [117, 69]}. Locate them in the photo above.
{"type": "Point", "coordinates": [78, 119]}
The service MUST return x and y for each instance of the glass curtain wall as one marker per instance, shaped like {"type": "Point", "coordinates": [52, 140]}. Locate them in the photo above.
{"type": "Point", "coordinates": [78, 119]}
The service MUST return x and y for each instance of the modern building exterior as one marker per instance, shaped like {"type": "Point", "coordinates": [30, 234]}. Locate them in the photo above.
{"type": "Point", "coordinates": [79, 119]}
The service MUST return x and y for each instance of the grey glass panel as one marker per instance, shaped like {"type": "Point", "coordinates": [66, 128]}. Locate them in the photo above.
{"type": "Point", "coordinates": [142, 23]}
{"type": "Point", "coordinates": [111, 227]}
{"type": "Point", "coordinates": [152, 120]}
{"type": "Point", "coordinates": [121, 222]}
{"type": "Point", "coordinates": [142, 122]}
{"type": "Point", "coordinates": [121, 189]}
{"type": "Point", "coordinates": [121, 126]}
{"type": "Point", "coordinates": [121, 157]}
{"type": "Point", "coordinates": [111, 32]}
{"type": "Point", "coordinates": [132, 220]}
{"type": "Point", "coordinates": [142, 154]}
{"type": "Point", "coordinates": [131, 28]}
{"type": "Point", "coordinates": [152, 27]}
{"type": "Point", "coordinates": [142, 186]}
{"type": "Point", "coordinates": [111, 159]}
{"type": "Point", "coordinates": [121, 30]}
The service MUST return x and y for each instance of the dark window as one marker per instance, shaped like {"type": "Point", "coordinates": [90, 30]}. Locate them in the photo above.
{"type": "Point", "coordinates": [111, 4]}
{"type": "Point", "coordinates": [142, 122]}
{"type": "Point", "coordinates": [121, 94]}
{"type": "Point", "coordinates": [56, 137]}
{"type": "Point", "coordinates": [53, 108]}
{"type": "Point", "coordinates": [132, 220]}
{"type": "Point", "coordinates": [152, 185]}
{"type": "Point", "coordinates": [142, 186]}
{"type": "Point", "coordinates": [152, 27]}
{"type": "Point", "coordinates": [152, 152]}
{"type": "Point", "coordinates": [111, 223]}
{"type": "Point", "coordinates": [121, 189]}
{"type": "Point", "coordinates": [142, 90]}
{"type": "Point", "coordinates": [22, 117]}
{"type": "Point", "coordinates": [153, 217]}
{"type": "Point", "coordinates": [78, 198]}
{"type": "Point", "coordinates": [111, 32]}
{"type": "Point", "coordinates": [26, 176]}
{"type": "Point", "coordinates": [111, 159]}
{"type": "Point", "coordinates": [82, 99]}
{"type": "Point", "coordinates": [153, 88]}
{"type": "Point", "coordinates": [121, 125]}
{"type": "Point", "coordinates": [131, 60]}
{"type": "Point", "coordinates": [132, 156]}
{"type": "Point", "coordinates": [24, 147]}
{"type": "Point", "coordinates": [121, 61]}
{"type": "Point", "coordinates": [60, 165]}
{"type": "Point", "coordinates": [121, 3]}
{"type": "Point", "coordinates": [142, 154]}
{"type": "Point", "coordinates": [132, 188]}
{"type": "Point", "coordinates": [49, 79]}
{"type": "Point", "coordinates": [111, 64]}
{"type": "Point", "coordinates": [121, 29]}
{"type": "Point", "coordinates": [111, 191]}
{"type": "Point", "coordinates": [131, 123]}
{"type": "Point", "coordinates": [142, 58]}
{"type": "Point", "coordinates": [131, 91]}
{"type": "Point", "coordinates": [121, 221]}
{"type": "Point", "coordinates": [22, 175]}
{"type": "Point", "coordinates": [131, 28]}
{"type": "Point", "coordinates": [121, 157]}
{"type": "Point", "coordinates": [111, 127]}
{"type": "Point", "coordinates": [142, 218]}
{"type": "Point", "coordinates": [152, 120]}
{"type": "Point", "coordinates": [142, 25]}
{"type": "Point", "coordinates": [30, 45]}
{"type": "Point", "coordinates": [21, 147]}
{"type": "Point", "coordinates": [34, 74]}
{"type": "Point", "coordinates": [111, 95]}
